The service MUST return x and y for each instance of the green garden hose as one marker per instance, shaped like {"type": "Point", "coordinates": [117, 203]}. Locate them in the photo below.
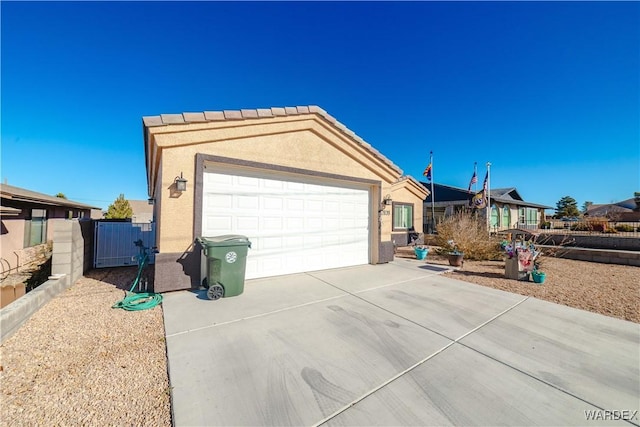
{"type": "Point", "coordinates": [139, 301]}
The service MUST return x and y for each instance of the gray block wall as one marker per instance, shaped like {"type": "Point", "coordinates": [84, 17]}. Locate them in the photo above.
{"type": "Point", "coordinates": [625, 243]}
{"type": "Point", "coordinates": [72, 248]}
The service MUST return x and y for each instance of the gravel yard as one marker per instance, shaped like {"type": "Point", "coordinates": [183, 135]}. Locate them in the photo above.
{"type": "Point", "coordinates": [77, 361]}
{"type": "Point", "coordinates": [609, 289]}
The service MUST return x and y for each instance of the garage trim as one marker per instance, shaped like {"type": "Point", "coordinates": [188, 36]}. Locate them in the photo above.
{"type": "Point", "coordinates": [374, 188]}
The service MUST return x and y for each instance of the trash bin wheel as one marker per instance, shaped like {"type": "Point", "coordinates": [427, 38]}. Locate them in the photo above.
{"type": "Point", "coordinates": [215, 292]}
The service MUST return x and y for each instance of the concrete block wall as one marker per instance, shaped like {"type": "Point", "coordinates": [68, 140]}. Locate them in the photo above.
{"type": "Point", "coordinates": [605, 256]}
{"type": "Point", "coordinates": [72, 248]}
{"type": "Point", "coordinates": [72, 257]}
{"type": "Point", "coordinates": [19, 311]}
{"type": "Point", "coordinates": [594, 242]}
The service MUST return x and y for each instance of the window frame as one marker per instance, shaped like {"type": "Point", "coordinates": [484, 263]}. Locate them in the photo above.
{"type": "Point", "coordinates": [393, 215]}
{"type": "Point", "coordinates": [506, 219]}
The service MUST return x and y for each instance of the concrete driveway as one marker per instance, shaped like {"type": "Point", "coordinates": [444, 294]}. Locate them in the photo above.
{"type": "Point", "coordinates": [395, 344]}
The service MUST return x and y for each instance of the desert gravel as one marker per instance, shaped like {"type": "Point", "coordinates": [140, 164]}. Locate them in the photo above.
{"type": "Point", "coordinates": [77, 361]}
{"type": "Point", "coordinates": [609, 289]}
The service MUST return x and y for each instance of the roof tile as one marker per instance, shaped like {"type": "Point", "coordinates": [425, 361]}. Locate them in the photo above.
{"type": "Point", "coordinates": [151, 121]}
{"type": "Point", "coordinates": [249, 114]}
{"type": "Point", "coordinates": [232, 114]}
{"type": "Point", "coordinates": [213, 116]}
{"type": "Point", "coordinates": [172, 119]}
{"type": "Point", "coordinates": [265, 112]}
{"type": "Point", "coordinates": [194, 117]}
{"type": "Point", "coordinates": [165, 119]}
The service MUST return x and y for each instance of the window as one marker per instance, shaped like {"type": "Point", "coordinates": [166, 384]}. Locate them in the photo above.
{"type": "Point", "coordinates": [402, 216]}
{"type": "Point", "coordinates": [35, 228]}
{"type": "Point", "coordinates": [494, 216]}
{"type": "Point", "coordinates": [506, 216]}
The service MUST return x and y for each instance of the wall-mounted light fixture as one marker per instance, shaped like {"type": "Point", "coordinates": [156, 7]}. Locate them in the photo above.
{"type": "Point", "coordinates": [151, 200]}
{"type": "Point", "coordinates": [181, 183]}
{"type": "Point", "coordinates": [387, 200]}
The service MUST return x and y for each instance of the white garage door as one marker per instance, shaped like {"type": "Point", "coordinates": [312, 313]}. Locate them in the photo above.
{"type": "Point", "coordinates": [293, 226]}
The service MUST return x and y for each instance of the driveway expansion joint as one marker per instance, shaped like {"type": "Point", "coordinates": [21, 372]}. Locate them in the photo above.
{"type": "Point", "coordinates": [415, 365]}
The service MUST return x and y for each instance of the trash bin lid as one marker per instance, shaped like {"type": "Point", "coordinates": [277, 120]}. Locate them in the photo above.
{"type": "Point", "coordinates": [225, 240]}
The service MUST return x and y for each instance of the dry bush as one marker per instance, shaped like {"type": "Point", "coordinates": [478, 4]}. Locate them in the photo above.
{"type": "Point", "coordinates": [470, 236]}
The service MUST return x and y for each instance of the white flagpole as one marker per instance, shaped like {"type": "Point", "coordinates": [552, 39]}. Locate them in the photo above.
{"type": "Point", "coordinates": [488, 197]}
{"type": "Point", "coordinates": [433, 196]}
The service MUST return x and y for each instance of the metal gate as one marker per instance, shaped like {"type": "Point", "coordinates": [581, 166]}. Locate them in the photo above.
{"type": "Point", "coordinates": [114, 243]}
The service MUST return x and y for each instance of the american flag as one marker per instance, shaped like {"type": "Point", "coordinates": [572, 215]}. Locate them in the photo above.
{"type": "Point", "coordinates": [474, 179]}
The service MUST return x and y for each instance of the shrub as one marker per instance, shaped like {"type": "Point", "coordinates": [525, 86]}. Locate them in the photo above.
{"type": "Point", "coordinates": [582, 226]}
{"type": "Point", "coordinates": [470, 236]}
{"type": "Point", "coordinates": [624, 227]}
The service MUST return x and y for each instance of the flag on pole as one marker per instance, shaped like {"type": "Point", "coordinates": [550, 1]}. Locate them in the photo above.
{"type": "Point", "coordinates": [474, 179]}
{"type": "Point", "coordinates": [427, 172]}
{"type": "Point", "coordinates": [479, 200]}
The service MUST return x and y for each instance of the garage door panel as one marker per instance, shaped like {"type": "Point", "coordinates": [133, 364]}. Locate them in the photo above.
{"type": "Point", "coordinates": [247, 202]}
{"type": "Point", "coordinates": [249, 223]}
{"type": "Point", "coordinates": [293, 226]}
{"type": "Point", "coordinates": [219, 223]}
{"type": "Point", "coordinates": [223, 201]}
{"type": "Point", "coordinates": [295, 204]}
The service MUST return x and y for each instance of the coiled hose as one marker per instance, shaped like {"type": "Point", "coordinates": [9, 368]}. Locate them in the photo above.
{"type": "Point", "coordinates": [139, 301]}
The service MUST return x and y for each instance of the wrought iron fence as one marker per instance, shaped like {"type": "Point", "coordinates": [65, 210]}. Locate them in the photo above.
{"type": "Point", "coordinates": [614, 228]}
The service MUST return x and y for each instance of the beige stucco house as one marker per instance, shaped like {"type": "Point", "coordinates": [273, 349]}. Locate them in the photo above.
{"type": "Point", "coordinates": [307, 192]}
{"type": "Point", "coordinates": [507, 209]}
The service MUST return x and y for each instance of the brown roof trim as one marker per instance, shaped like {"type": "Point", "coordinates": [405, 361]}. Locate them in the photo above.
{"type": "Point", "coordinates": [11, 192]}
{"type": "Point", "coordinates": [260, 113]}
{"type": "Point", "coordinates": [8, 211]}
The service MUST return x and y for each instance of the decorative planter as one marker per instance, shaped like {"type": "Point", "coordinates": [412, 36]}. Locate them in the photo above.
{"type": "Point", "coordinates": [513, 270]}
{"type": "Point", "coordinates": [538, 276]}
{"type": "Point", "coordinates": [421, 253]}
{"type": "Point", "coordinates": [455, 259]}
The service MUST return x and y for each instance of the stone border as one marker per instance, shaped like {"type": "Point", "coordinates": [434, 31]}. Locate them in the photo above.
{"type": "Point", "coordinates": [606, 256]}
{"type": "Point", "coordinates": [18, 312]}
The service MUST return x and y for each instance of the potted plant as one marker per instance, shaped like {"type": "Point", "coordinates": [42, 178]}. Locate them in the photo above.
{"type": "Point", "coordinates": [454, 256]}
{"type": "Point", "coordinates": [538, 276]}
{"type": "Point", "coordinates": [421, 252]}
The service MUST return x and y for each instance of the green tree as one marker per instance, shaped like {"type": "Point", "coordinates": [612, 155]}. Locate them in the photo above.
{"type": "Point", "coordinates": [636, 198]}
{"type": "Point", "coordinates": [567, 206]}
{"type": "Point", "coordinates": [585, 206]}
{"type": "Point", "coordinates": [61, 196]}
{"type": "Point", "coordinates": [119, 209]}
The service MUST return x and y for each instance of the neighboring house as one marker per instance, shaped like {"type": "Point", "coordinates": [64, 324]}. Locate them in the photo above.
{"type": "Point", "coordinates": [307, 192]}
{"type": "Point", "coordinates": [508, 209]}
{"type": "Point", "coordinates": [142, 211]}
{"type": "Point", "coordinates": [26, 221]}
{"type": "Point", "coordinates": [626, 210]}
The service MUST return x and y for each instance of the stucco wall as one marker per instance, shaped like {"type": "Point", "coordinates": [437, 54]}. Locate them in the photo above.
{"type": "Point", "coordinates": [405, 195]}
{"type": "Point", "coordinates": [11, 240]}
{"type": "Point", "coordinates": [302, 150]}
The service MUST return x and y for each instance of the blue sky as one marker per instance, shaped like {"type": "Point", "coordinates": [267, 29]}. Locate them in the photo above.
{"type": "Point", "coordinates": [548, 92]}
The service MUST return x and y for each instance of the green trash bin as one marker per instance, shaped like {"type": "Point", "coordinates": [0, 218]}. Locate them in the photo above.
{"type": "Point", "coordinates": [226, 258]}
